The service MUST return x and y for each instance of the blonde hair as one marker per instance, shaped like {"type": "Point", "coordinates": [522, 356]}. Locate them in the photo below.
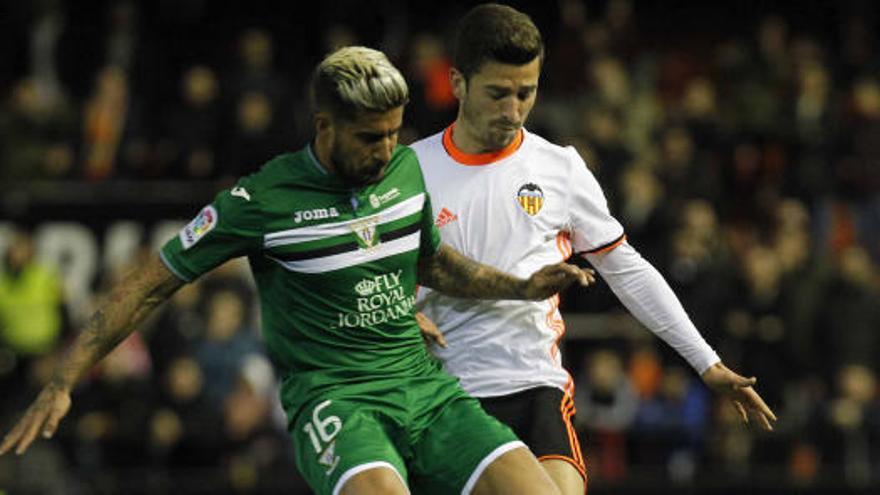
{"type": "Point", "coordinates": [357, 79]}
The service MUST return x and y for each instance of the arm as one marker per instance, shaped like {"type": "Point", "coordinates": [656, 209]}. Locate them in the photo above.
{"type": "Point", "coordinates": [454, 274]}
{"type": "Point", "coordinates": [645, 293]}
{"type": "Point", "coordinates": [126, 306]}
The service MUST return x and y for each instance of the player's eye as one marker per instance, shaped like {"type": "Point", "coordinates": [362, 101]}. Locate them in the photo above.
{"type": "Point", "coordinates": [497, 95]}
{"type": "Point", "coordinates": [525, 93]}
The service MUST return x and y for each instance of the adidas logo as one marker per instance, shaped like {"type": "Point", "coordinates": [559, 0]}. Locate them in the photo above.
{"type": "Point", "coordinates": [445, 216]}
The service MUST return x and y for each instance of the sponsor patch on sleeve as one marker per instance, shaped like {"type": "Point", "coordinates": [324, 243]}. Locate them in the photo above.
{"type": "Point", "coordinates": [200, 225]}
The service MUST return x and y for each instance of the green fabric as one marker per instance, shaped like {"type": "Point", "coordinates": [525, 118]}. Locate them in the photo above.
{"type": "Point", "coordinates": [433, 434]}
{"type": "Point", "coordinates": [323, 327]}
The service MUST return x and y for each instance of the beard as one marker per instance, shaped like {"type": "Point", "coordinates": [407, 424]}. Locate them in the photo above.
{"type": "Point", "coordinates": [494, 135]}
{"type": "Point", "coordinates": [356, 175]}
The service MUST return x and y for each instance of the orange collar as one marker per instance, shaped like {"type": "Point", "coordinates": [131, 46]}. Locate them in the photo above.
{"type": "Point", "coordinates": [479, 158]}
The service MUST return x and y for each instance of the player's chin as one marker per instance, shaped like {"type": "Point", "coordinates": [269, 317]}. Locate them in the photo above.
{"type": "Point", "coordinates": [375, 178]}
{"type": "Point", "coordinates": [500, 138]}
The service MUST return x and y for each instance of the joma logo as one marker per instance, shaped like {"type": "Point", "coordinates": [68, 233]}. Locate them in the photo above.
{"type": "Point", "coordinates": [316, 214]}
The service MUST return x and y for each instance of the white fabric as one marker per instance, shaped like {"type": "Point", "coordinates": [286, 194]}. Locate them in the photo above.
{"type": "Point", "coordinates": [325, 230]}
{"type": "Point", "coordinates": [351, 258]}
{"type": "Point", "coordinates": [364, 467]}
{"type": "Point", "coordinates": [503, 347]}
{"type": "Point", "coordinates": [489, 459]}
{"type": "Point", "coordinates": [645, 293]}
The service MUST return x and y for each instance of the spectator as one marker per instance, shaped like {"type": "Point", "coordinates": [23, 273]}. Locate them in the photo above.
{"type": "Point", "coordinates": [192, 130]}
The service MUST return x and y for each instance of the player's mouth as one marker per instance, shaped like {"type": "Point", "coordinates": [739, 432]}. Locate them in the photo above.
{"type": "Point", "coordinates": [507, 126]}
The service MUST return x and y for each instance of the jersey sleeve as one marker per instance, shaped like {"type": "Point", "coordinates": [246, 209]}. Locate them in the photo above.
{"type": "Point", "coordinates": [430, 234]}
{"type": "Point", "coordinates": [593, 229]}
{"type": "Point", "coordinates": [227, 228]}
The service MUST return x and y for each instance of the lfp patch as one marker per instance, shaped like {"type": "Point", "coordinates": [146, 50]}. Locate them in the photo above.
{"type": "Point", "coordinates": [531, 198]}
{"type": "Point", "coordinates": [200, 225]}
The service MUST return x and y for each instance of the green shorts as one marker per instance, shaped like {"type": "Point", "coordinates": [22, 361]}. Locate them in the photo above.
{"type": "Point", "coordinates": [427, 429]}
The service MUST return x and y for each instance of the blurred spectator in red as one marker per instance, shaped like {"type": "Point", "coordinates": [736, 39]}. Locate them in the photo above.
{"type": "Point", "coordinates": [432, 104]}
{"type": "Point", "coordinates": [115, 141]}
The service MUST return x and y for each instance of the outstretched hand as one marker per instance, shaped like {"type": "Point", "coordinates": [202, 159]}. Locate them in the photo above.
{"type": "Point", "coordinates": [552, 279]}
{"type": "Point", "coordinates": [41, 418]}
{"type": "Point", "coordinates": [739, 390]}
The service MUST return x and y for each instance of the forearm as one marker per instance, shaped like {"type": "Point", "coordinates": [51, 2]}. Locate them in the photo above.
{"type": "Point", "coordinates": [454, 274]}
{"type": "Point", "coordinates": [119, 313]}
{"type": "Point", "coordinates": [645, 293]}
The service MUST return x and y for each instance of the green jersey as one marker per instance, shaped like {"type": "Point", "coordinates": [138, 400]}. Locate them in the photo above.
{"type": "Point", "coordinates": [335, 268]}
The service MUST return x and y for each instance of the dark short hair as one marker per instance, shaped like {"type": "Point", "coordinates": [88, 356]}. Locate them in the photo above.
{"type": "Point", "coordinates": [494, 32]}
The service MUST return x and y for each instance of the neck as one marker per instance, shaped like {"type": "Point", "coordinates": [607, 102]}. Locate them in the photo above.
{"type": "Point", "coordinates": [465, 138]}
{"type": "Point", "coordinates": [323, 151]}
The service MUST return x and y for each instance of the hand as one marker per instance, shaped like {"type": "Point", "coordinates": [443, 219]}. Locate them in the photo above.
{"type": "Point", "coordinates": [552, 279]}
{"type": "Point", "coordinates": [430, 332]}
{"type": "Point", "coordinates": [41, 418]}
{"type": "Point", "coordinates": [739, 390]}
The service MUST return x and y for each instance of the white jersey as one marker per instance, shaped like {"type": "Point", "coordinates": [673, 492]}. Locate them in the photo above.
{"type": "Point", "coordinates": [529, 205]}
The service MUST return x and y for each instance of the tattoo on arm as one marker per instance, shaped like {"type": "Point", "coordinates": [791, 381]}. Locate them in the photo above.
{"type": "Point", "coordinates": [452, 273]}
{"type": "Point", "coordinates": [127, 305]}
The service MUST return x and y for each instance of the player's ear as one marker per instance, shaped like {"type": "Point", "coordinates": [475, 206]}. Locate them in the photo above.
{"type": "Point", "coordinates": [459, 83]}
{"type": "Point", "coordinates": [323, 122]}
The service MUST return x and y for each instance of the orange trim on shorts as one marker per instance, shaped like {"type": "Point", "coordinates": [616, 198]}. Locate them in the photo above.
{"type": "Point", "coordinates": [473, 159]}
{"type": "Point", "coordinates": [580, 469]}
{"type": "Point", "coordinates": [567, 410]}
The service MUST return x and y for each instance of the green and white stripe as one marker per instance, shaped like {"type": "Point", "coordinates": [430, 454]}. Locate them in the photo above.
{"type": "Point", "coordinates": [336, 245]}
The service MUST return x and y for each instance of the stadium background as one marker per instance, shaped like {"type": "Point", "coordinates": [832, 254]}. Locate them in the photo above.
{"type": "Point", "coordinates": [738, 142]}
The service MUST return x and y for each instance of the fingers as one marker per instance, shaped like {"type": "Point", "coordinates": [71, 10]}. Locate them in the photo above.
{"type": "Point", "coordinates": [759, 405]}
{"type": "Point", "coordinates": [423, 321]}
{"type": "Point", "coordinates": [10, 438]}
{"type": "Point", "coordinates": [41, 418]}
{"type": "Point", "coordinates": [30, 434]}
{"type": "Point", "coordinates": [55, 416]}
{"type": "Point", "coordinates": [765, 423]}
{"type": "Point", "coordinates": [584, 276]}
{"type": "Point", "coordinates": [439, 339]}
{"type": "Point", "coordinates": [429, 330]}
{"type": "Point", "coordinates": [588, 276]}
{"type": "Point", "coordinates": [743, 382]}
{"type": "Point", "coordinates": [23, 434]}
{"type": "Point", "coordinates": [750, 402]}
{"type": "Point", "coordinates": [742, 411]}
{"type": "Point", "coordinates": [561, 275]}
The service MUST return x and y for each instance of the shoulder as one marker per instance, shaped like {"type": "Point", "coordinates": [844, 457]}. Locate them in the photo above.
{"type": "Point", "coordinates": [404, 166]}
{"type": "Point", "coordinates": [564, 154]}
{"type": "Point", "coordinates": [251, 193]}
{"type": "Point", "coordinates": [429, 144]}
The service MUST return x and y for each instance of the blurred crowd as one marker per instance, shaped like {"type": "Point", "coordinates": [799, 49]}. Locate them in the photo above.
{"type": "Point", "coordinates": [743, 162]}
